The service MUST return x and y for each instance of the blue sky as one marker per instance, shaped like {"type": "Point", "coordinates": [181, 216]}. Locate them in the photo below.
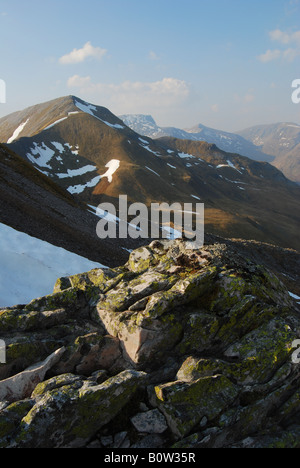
{"type": "Point", "coordinates": [228, 64]}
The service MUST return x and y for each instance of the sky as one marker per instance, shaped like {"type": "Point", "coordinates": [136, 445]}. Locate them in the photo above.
{"type": "Point", "coordinates": [227, 64]}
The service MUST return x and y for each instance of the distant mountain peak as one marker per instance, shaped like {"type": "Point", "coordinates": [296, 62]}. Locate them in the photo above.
{"type": "Point", "coordinates": [282, 140]}
{"type": "Point", "coordinates": [143, 124]}
{"type": "Point", "coordinates": [230, 142]}
{"type": "Point", "coordinates": [138, 118]}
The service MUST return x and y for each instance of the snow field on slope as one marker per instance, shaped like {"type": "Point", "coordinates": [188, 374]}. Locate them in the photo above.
{"type": "Point", "coordinates": [112, 166]}
{"type": "Point", "coordinates": [30, 267]}
{"type": "Point", "coordinates": [17, 132]}
{"type": "Point", "coordinates": [89, 108]}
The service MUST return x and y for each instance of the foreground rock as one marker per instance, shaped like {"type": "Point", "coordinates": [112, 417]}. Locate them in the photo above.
{"type": "Point", "coordinates": [177, 348]}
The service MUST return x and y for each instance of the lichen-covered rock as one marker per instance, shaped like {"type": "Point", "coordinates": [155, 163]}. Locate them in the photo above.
{"type": "Point", "coordinates": [71, 411]}
{"type": "Point", "coordinates": [150, 422]}
{"type": "Point", "coordinates": [186, 404]}
{"type": "Point", "coordinates": [209, 332]}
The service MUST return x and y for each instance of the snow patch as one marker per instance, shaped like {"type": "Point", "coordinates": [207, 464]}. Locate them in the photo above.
{"type": "Point", "coordinates": [113, 125]}
{"type": "Point", "coordinates": [294, 296]}
{"type": "Point", "coordinates": [77, 172]}
{"type": "Point", "coordinates": [55, 123]}
{"type": "Point", "coordinates": [144, 141]}
{"type": "Point", "coordinates": [73, 151]}
{"type": "Point", "coordinates": [75, 189]}
{"type": "Point", "coordinates": [43, 153]}
{"type": "Point", "coordinates": [89, 108]}
{"type": "Point", "coordinates": [150, 150]}
{"type": "Point", "coordinates": [112, 166]}
{"type": "Point", "coordinates": [30, 267]}
{"type": "Point", "coordinates": [152, 171]}
{"type": "Point", "coordinates": [17, 132]}
{"type": "Point", "coordinates": [97, 211]}
{"type": "Point", "coordinates": [229, 164]}
{"type": "Point", "coordinates": [58, 146]}
{"type": "Point", "coordinates": [185, 155]}
{"type": "Point", "coordinates": [84, 107]}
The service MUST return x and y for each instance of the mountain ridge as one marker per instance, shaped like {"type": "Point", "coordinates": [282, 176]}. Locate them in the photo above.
{"type": "Point", "coordinates": [281, 139]}
{"type": "Point", "coordinates": [94, 156]}
{"type": "Point", "coordinates": [282, 152]}
{"type": "Point", "coordinates": [230, 142]}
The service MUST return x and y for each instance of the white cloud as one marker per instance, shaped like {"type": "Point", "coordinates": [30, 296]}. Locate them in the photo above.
{"type": "Point", "coordinates": [153, 55]}
{"type": "Point", "coordinates": [279, 36]}
{"type": "Point", "coordinates": [246, 98]}
{"type": "Point", "coordinates": [79, 55]}
{"type": "Point", "coordinates": [285, 39]}
{"type": "Point", "coordinates": [290, 54]}
{"type": "Point", "coordinates": [134, 96]}
{"type": "Point", "coordinates": [249, 97]}
{"type": "Point", "coordinates": [270, 55]}
{"type": "Point", "coordinates": [77, 81]}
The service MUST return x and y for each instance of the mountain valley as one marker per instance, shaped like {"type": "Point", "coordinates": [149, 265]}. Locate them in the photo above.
{"type": "Point", "coordinates": [94, 157]}
{"type": "Point", "coordinates": [143, 343]}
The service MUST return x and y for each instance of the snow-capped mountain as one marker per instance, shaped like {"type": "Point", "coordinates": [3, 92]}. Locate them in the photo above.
{"type": "Point", "coordinates": [32, 203]}
{"type": "Point", "coordinates": [93, 156]}
{"type": "Point", "coordinates": [278, 143]}
{"type": "Point", "coordinates": [277, 139]}
{"type": "Point", "coordinates": [57, 157]}
{"type": "Point", "coordinates": [230, 142]}
{"type": "Point", "coordinates": [143, 124]}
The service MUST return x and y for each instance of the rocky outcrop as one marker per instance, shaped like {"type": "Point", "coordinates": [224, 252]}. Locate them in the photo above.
{"type": "Point", "coordinates": [177, 348]}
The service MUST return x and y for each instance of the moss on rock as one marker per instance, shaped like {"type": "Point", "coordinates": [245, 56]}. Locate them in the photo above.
{"type": "Point", "coordinates": [213, 331]}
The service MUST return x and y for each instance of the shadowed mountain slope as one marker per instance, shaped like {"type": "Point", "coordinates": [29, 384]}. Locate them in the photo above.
{"type": "Point", "coordinates": [93, 155]}
{"type": "Point", "coordinates": [32, 203]}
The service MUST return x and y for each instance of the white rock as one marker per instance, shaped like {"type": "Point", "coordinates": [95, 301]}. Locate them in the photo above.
{"type": "Point", "coordinates": [21, 385]}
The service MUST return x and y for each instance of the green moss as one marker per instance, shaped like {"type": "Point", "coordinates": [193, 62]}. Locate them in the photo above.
{"type": "Point", "coordinates": [62, 284]}
{"type": "Point", "coordinates": [140, 260]}
{"type": "Point", "coordinates": [200, 329]}
{"type": "Point", "coordinates": [11, 417]}
{"type": "Point", "coordinates": [55, 383]}
{"type": "Point", "coordinates": [30, 350]}
{"type": "Point", "coordinates": [64, 299]}
{"type": "Point", "coordinates": [262, 352]}
{"type": "Point", "coordinates": [289, 439]}
{"type": "Point", "coordinates": [12, 320]}
{"type": "Point", "coordinates": [185, 404]}
{"type": "Point", "coordinates": [193, 368]}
